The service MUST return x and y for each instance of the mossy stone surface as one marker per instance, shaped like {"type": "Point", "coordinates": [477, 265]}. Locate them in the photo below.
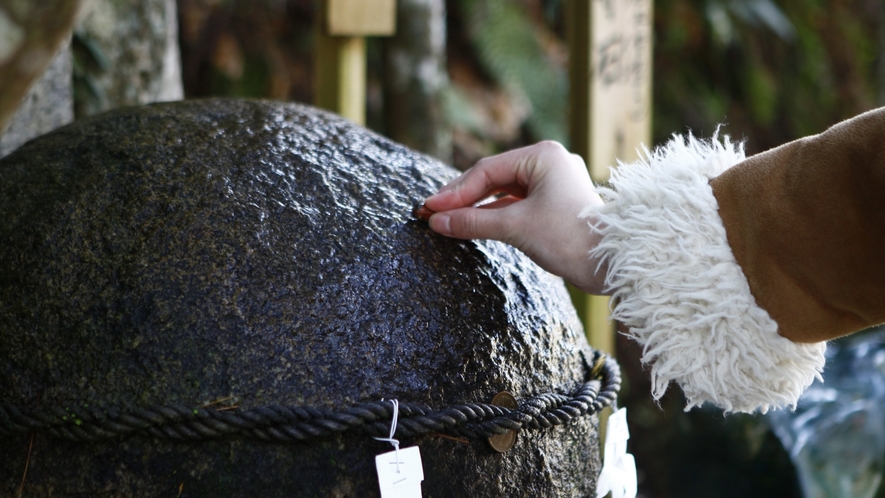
{"type": "Point", "coordinates": [188, 252]}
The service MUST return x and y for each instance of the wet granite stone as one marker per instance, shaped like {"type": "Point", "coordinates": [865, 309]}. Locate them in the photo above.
{"type": "Point", "coordinates": [192, 251]}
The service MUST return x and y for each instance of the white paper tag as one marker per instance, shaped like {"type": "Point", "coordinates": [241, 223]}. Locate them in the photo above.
{"type": "Point", "coordinates": [403, 480]}
{"type": "Point", "coordinates": [617, 430]}
{"type": "Point", "coordinates": [618, 473]}
{"type": "Point", "coordinates": [410, 491]}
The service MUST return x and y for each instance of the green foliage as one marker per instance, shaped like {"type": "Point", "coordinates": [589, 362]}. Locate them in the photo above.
{"type": "Point", "coordinates": [459, 107]}
{"type": "Point", "coordinates": [772, 70]}
{"type": "Point", "coordinates": [253, 82]}
{"type": "Point", "coordinates": [509, 47]}
{"type": "Point", "coordinates": [89, 63]}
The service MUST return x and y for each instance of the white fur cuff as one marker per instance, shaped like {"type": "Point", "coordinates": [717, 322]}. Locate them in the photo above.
{"type": "Point", "coordinates": [679, 289]}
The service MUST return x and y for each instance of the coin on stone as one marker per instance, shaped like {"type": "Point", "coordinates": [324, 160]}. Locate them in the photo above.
{"type": "Point", "coordinates": [503, 442]}
{"type": "Point", "coordinates": [422, 213]}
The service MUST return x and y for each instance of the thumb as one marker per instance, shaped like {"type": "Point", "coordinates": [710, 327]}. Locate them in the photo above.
{"type": "Point", "coordinates": [475, 223]}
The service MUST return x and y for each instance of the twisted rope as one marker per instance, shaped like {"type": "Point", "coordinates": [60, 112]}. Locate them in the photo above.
{"type": "Point", "coordinates": [297, 423]}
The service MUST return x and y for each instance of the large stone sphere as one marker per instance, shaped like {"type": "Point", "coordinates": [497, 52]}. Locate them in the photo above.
{"type": "Point", "coordinates": [253, 253]}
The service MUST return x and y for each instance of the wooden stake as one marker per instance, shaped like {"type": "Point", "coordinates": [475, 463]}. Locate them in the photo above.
{"type": "Point", "coordinates": [610, 102]}
{"type": "Point", "coordinates": [361, 17]}
{"type": "Point", "coordinates": [340, 52]}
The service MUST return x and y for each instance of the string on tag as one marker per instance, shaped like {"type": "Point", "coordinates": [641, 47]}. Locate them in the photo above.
{"type": "Point", "coordinates": [390, 439]}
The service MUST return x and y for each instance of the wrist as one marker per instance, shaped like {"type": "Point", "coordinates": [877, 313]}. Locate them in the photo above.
{"type": "Point", "coordinates": [591, 267]}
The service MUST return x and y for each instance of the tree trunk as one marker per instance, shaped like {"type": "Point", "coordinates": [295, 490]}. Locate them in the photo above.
{"type": "Point", "coordinates": [130, 54]}
{"type": "Point", "coordinates": [31, 33]}
{"type": "Point", "coordinates": [416, 80]}
{"type": "Point", "coordinates": [48, 105]}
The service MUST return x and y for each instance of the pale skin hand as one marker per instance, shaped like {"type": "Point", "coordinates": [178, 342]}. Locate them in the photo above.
{"type": "Point", "coordinates": [546, 189]}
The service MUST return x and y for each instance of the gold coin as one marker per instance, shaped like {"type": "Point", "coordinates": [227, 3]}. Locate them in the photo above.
{"type": "Point", "coordinates": [503, 442]}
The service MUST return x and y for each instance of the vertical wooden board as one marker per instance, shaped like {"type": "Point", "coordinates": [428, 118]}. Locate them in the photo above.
{"type": "Point", "coordinates": [352, 79]}
{"type": "Point", "coordinates": [577, 20]}
{"type": "Point", "coordinates": [621, 76]}
{"type": "Point", "coordinates": [610, 76]}
{"type": "Point", "coordinates": [600, 328]}
{"type": "Point", "coordinates": [361, 17]}
{"type": "Point", "coordinates": [340, 73]}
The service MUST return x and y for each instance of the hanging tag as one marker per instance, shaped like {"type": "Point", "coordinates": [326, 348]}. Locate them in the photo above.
{"type": "Point", "coordinates": [618, 473]}
{"type": "Point", "coordinates": [400, 473]}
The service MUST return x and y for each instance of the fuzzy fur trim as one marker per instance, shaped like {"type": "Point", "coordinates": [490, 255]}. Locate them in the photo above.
{"type": "Point", "coordinates": [679, 289]}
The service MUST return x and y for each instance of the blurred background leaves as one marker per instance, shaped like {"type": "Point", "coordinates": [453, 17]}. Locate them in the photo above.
{"type": "Point", "coordinates": [525, 57]}
{"type": "Point", "coordinates": [770, 70]}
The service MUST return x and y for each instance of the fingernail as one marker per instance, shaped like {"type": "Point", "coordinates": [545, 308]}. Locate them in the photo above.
{"type": "Point", "coordinates": [441, 223]}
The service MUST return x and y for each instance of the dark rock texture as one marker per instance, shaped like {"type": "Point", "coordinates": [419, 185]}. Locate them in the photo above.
{"type": "Point", "coordinates": [187, 252]}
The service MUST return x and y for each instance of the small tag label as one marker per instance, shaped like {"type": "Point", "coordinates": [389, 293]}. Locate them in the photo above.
{"type": "Point", "coordinates": [410, 491]}
{"type": "Point", "coordinates": [618, 473]}
{"type": "Point", "coordinates": [402, 480]}
{"type": "Point", "coordinates": [617, 430]}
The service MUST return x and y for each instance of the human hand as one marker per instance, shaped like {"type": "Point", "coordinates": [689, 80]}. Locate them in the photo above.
{"type": "Point", "coordinates": [545, 188]}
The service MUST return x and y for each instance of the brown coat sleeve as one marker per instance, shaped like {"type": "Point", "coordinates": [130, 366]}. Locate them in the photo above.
{"type": "Point", "coordinates": [806, 223]}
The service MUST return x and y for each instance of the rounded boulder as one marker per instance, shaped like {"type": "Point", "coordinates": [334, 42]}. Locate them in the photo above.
{"type": "Point", "coordinates": [233, 255]}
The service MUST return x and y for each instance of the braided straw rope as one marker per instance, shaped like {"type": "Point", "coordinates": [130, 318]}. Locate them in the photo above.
{"type": "Point", "coordinates": [297, 424]}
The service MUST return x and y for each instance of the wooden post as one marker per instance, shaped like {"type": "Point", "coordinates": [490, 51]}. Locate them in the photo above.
{"type": "Point", "coordinates": [340, 52]}
{"type": "Point", "coordinates": [610, 45]}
